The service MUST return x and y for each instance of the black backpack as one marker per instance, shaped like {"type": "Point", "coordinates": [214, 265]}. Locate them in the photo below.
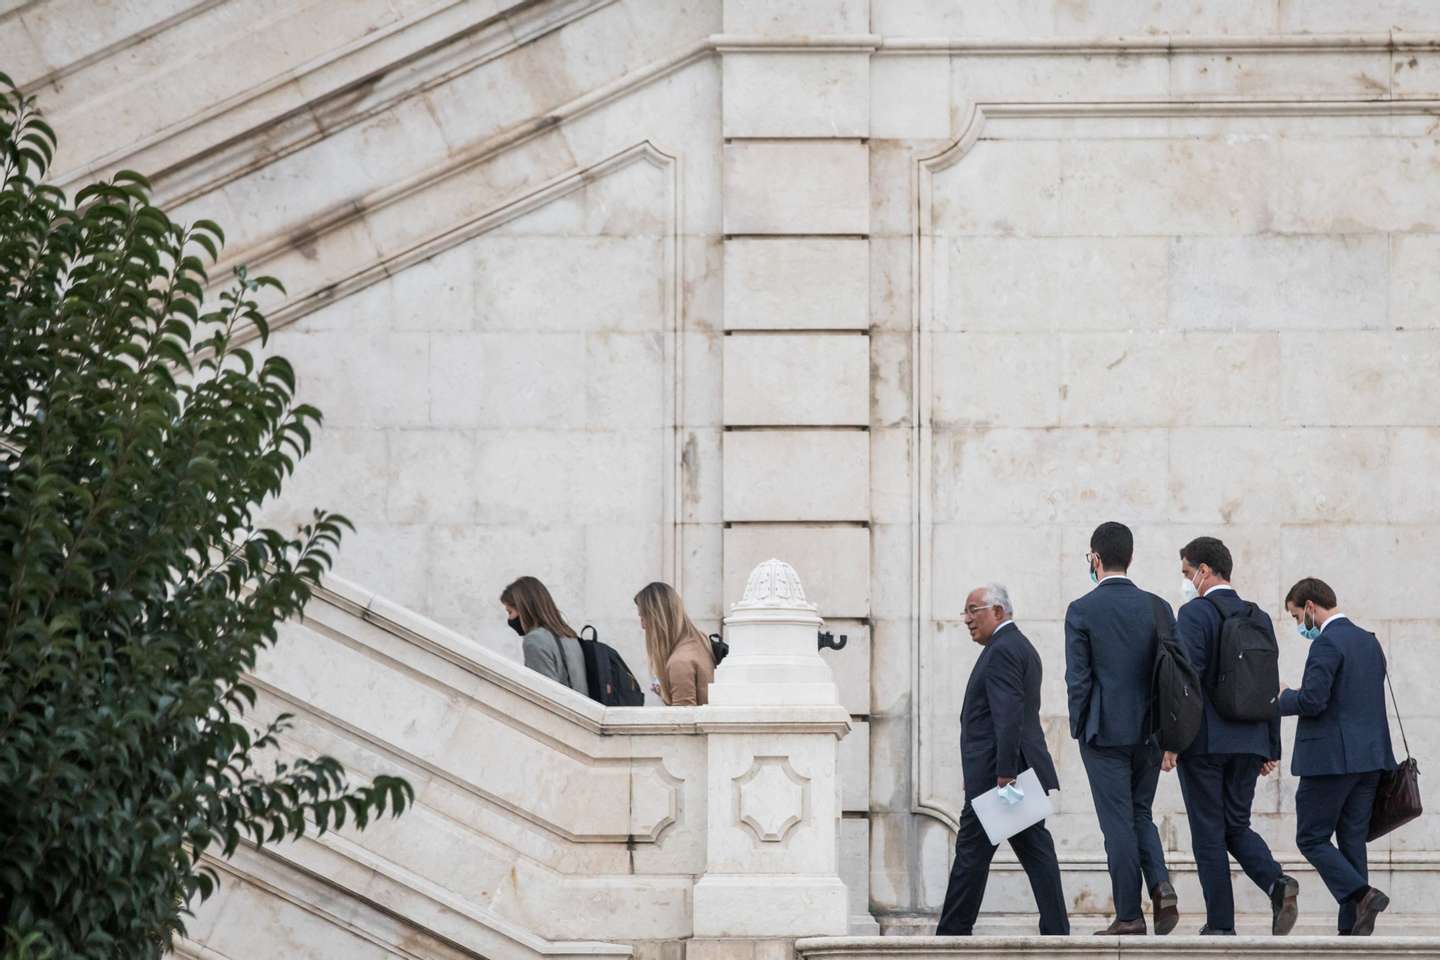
{"type": "Point", "coordinates": [1243, 677]}
{"type": "Point", "coordinates": [609, 679]}
{"type": "Point", "coordinates": [719, 648]}
{"type": "Point", "coordinates": [1178, 707]}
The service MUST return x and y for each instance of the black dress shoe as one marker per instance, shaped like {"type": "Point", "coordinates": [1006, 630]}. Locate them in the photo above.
{"type": "Point", "coordinates": [1205, 931]}
{"type": "Point", "coordinates": [1166, 907]}
{"type": "Point", "coordinates": [1283, 905]}
{"type": "Point", "coordinates": [1367, 910]}
{"type": "Point", "coordinates": [1124, 928]}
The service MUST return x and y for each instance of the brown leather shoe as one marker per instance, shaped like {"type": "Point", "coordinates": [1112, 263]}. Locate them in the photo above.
{"type": "Point", "coordinates": [1124, 928]}
{"type": "Point", "coordinates": [1166, 907]}
{"type": "Point", "coordinates": [1367, 910]}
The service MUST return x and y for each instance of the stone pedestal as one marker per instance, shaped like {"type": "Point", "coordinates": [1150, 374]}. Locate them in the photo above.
{"type": "Point", "coordinates": [773, 727]}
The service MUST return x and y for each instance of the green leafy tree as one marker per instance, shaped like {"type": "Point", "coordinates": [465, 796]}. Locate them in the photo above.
{"type": "Point", "coordinates": [138, 440]}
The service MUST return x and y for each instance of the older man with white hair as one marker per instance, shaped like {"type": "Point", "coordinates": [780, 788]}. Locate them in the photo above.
{"type": "Point", "coordinates": [1000, 735]}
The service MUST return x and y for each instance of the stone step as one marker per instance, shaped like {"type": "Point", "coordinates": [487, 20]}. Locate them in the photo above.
{"type": "Point", "coordinates": [1111, 948]}
{"type": "Point", "coordinates": [1317, 924]}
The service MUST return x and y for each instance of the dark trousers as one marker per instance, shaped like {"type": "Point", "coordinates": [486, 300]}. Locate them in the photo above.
{"type": "Point", "coordinates": [1337, 806]}
{"type": "Point", "coordinates": [1122, 782]}
{"type": "Point", "coordinates": [1219, 789]}
{"type": "Point", "coordinates": [971, 869]}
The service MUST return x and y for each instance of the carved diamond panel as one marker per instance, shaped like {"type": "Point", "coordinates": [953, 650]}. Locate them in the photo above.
{"type": "Point", "coordinates": [771, 798]}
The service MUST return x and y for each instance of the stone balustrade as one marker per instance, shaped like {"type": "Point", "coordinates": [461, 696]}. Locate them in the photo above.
{"type": "Point", "coordinates": [545, 824]}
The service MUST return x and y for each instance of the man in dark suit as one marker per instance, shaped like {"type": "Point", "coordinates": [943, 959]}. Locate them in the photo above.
{"type": "Point", "coordinates": [1000, 735]}
{"type": "Point", "coordinates": [1342, 745]}
{"type": "Point", "coordinates": [1219, 770]}
{"type": "Point", "coordinates": [1110, 644]}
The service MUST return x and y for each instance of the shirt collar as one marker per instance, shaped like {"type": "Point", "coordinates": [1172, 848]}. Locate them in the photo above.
{"type": "Point", "coordinates": [1337, 615]}
{"type": "Point", "coordinates": [1002, 626]}
{"type": "Point", "coordinates": [1219, 586]}
{"type": "Point", "coordinates": [1113, 576]}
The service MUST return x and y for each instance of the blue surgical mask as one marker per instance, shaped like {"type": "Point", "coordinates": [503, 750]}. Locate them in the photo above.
{"type": "Point", "coordinates": [1094, 577]}
{"type": "Point", "coordinates": [1308, 629]}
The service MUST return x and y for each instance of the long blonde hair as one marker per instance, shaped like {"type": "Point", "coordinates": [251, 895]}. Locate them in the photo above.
{"type": "Point", "coordinates": [535, 606]}
{"type": "Point", "coordinates": [667, 625]}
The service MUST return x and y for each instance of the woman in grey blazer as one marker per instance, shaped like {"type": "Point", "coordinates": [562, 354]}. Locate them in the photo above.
{"type": "Point", "coordinates": [548, 643]}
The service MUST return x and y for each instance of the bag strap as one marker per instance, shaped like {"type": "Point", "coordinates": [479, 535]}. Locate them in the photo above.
{"type": "Point", "coordinates": [1397, 711]}
{"type": "Point", "coordinates": [564, 664]}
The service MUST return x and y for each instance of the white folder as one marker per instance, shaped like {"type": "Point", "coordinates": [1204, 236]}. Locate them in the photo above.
{"type": "Point", "coordinates": [1002, 820]}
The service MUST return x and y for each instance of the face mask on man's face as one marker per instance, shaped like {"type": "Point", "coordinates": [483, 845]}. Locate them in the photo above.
{"type": "Point", "coordinates": [1308, 628]}
{"type": "Point", "coordinates": [1090, 564]}
{"type": "Point", "coordinates": [514, 624]}
{"type": "Point", "coordinates": [1189, 589]}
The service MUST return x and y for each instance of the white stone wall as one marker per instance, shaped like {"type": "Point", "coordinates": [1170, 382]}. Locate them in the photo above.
{"type": "Point", "coordinates": [910, 293]}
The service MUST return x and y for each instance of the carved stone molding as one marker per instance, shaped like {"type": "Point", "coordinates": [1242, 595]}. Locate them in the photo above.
{"type": "Point", "coordinates": [771, 798]}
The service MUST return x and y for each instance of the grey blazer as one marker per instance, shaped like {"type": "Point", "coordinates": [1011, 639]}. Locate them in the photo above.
{"type": "Point", "coordinates": [561, 661]}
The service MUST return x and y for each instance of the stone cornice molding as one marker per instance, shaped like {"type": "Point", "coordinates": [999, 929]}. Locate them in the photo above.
{"type": "Point", "coordinates": [399, 758]}
{"type": "Point", "coordinates": [285, 872]}
{"type": "Point", "coordinates": [208, 150]}
{"type": "Point", "coordinates": [204, 152]}
{"type": "Point", "coordinates": [308, 301]}
{"type": "Point", "coordinates": [1166, 43]}
{"type": "Point", "coordinates": [834, 43]}
{"type": "Point", "coordinates": [926, 798]}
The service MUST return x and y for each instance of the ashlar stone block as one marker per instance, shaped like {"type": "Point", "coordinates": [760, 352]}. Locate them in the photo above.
{"type": "Point", "coordinates": [1278, 283]}
{"type": "Point", "coordinates": [850, 666]}
{"type": "Point", "coordinates": [796, 284]}
{"type": "Point", "coordinates": [806, 94]}
{"type": "Point", "coordinates": [789, 18]}
{"type": "Point", "coordinates": [833, 562]}
{"type": "Point", "coordinates": [797, 380]}
{"type": "Point", "coordinates": [790, 475]}
{"type": "Point", "coordinates": [799, 186]}
{"type": "Point", "coordinates": [910, 97]}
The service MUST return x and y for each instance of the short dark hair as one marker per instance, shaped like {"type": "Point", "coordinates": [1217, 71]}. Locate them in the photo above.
{"type": "Point", "coordinates": [1211, 552]}
{"type": "Point", "coordinates": [1115, 545]}
{"type": "Point", "coordinates": [1311, 590]}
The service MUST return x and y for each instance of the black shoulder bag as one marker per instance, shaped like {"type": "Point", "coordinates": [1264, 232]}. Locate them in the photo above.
{"type": "Point", "coordinates": [1397, 799]}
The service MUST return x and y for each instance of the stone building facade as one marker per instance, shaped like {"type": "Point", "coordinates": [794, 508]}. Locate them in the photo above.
{"type": "Point", "coordinates": [909, 293]}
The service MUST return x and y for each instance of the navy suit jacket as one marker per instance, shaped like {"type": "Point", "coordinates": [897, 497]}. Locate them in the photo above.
{"type": "Point", "coordinates": [1110, 643]}
{"type": "Point", "coordinates": [1198, 630]}
{"type": "Point", "coordinates": [1343, 726]}
{"type": "Point", "coordinates": [1000, 732]}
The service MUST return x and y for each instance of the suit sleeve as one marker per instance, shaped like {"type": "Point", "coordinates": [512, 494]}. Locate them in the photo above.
{"type": "Point", "coordinates": [1005, 689]}
{"type": "Point", "coordinates": [1314, 694]}
{"type": "Point", "coordinates": [1079, 682]}
{"type": "Point", "coordinates": [681, 674]}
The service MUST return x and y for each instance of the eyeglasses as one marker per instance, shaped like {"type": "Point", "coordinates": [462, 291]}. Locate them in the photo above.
{"type": "Point", "coordinates": [975, 610]}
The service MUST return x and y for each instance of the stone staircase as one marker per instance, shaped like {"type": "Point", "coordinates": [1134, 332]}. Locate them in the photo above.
{"type": "Point", "coordinates": [545, 826]}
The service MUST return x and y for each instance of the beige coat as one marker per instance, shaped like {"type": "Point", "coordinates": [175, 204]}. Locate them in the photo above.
{"type": "Point", "coordinates": [688, 674]}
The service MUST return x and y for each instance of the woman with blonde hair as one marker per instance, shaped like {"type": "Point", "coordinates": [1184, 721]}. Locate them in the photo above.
{"type": "Point", "coordinates": [549, 644]}
{"type": "Point", "coordinates": [680, 655]}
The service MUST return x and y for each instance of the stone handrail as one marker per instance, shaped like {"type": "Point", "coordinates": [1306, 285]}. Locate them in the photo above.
{"type": "Point", "coordinates": [545, 824]}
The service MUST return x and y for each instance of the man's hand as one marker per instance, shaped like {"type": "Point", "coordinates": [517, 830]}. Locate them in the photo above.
{"type": "Point", "coordinates": [1284, 686]}
{"type": "Point", "coordinates": [1167, 762]}
{"type": "Point", "coordinates": [1268, 767]}
{"type": "Point", "coordinates": [1004, 781]}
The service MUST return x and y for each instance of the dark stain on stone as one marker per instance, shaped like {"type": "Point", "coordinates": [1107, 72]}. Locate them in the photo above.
{"type": "Point", "coordinates": [690, 472]}
{"type": "Point", "coordinates": [305, 240]}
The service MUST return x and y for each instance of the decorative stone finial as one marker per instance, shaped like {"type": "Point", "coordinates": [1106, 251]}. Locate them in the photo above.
{"type": "Point", "coordinates": [774, 583]}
